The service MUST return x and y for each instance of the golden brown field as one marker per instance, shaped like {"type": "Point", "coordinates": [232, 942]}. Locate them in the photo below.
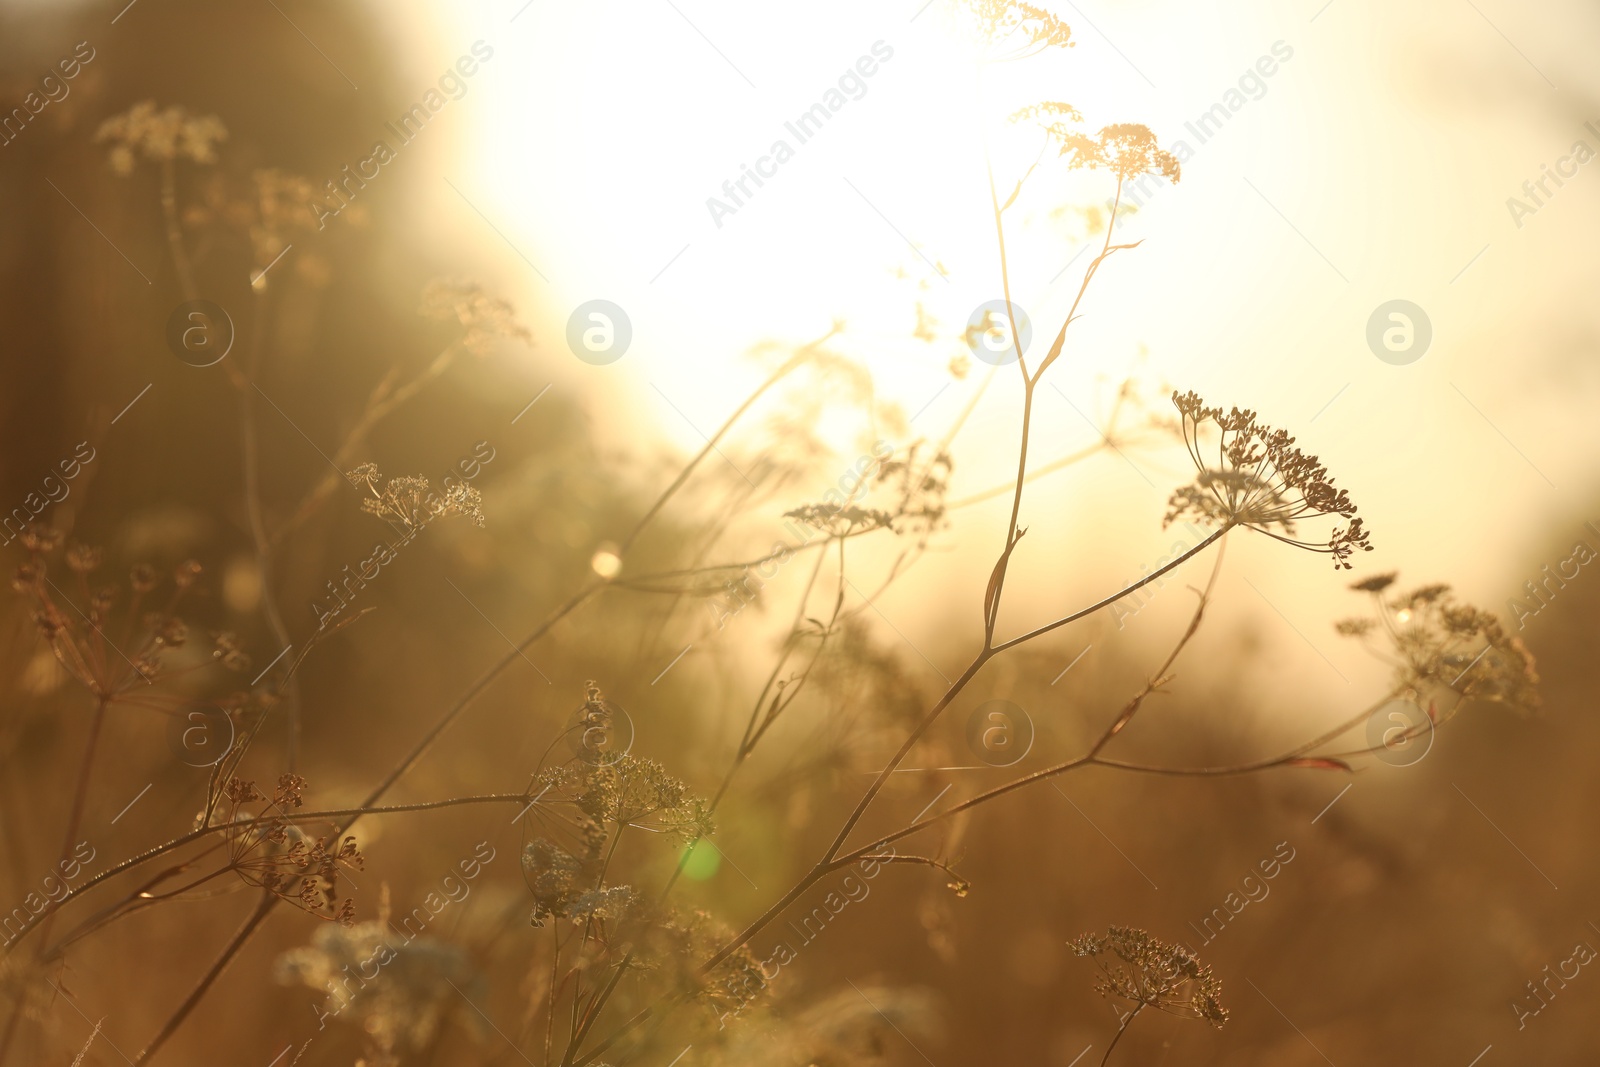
{"type": "Point", "coordinates": [682, 533]}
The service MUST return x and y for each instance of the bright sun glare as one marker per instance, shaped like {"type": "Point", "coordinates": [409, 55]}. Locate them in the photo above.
{"type": "Point", "coordinates": [884, 206]}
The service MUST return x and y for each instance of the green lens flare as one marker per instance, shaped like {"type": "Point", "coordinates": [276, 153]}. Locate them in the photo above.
{"type": "Point", "coordinates": [704, 859]}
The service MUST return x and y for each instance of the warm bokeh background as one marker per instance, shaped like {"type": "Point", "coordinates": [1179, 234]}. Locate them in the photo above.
{"type": "Point", "coordinates": [1376, 164]}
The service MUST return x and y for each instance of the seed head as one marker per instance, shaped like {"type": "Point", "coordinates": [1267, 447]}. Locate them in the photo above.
{"type": "Point", "coordinates": [1259, 480]}
{"type": "Point", "coordinates": [1126, 149]}
{"type": "Point", "coordinates": [1138, 967]}
{"type": "Point", "coordinates": [1436, 642]}
{"type": "Point", "coordinates": [83, 559]}
{"type": "Point", "coordinates": [485, 317]}
{"type": "Point", "coordinates": [1025, 28]}
{"type": "Point", "coordinates": [160, 136]}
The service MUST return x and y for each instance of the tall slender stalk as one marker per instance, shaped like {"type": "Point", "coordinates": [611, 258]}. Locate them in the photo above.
{"type": "Point", "coordinates": [80, 797]}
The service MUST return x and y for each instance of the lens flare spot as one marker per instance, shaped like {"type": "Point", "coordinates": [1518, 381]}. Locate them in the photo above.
{"type": "Point", "coordinates": [703, 862]}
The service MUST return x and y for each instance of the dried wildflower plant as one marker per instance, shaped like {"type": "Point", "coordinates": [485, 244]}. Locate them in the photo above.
{"type": "Point", "coordinates": [1024, 29]}
{"type": "Point", "coordinates": [910, 494]}
{"type": "Point", "coordinates": [110, 656]}
{"type": "Point", "coordinates": [272, 853]}
{"type": "Point", "coordinates": [673, 940]}
{"type": "Point", "coordinates": [397, 990]}
{"type": "Point", "coordinates": [410, 501]}
{"type": "Point", "coordinates": [611, 792]}
{"type": "Point", "coordinates": [160, 135]}
{"type": "Point", "coordinates": [849, 1028]}
{"type": "Point", "coordinates": [918, 490]}
{"type": "Point", "coordinates": [1435, 643]}
{"type": "Point", "coordinates": [1057, 118]}
{"type": "Point", "coordinates": [270, 215]}
{"type": "Point", "coordinates": [1146, 972]}
{"type": "Point", "coordinates": [485, 318]}
{"type": "Point", "coordinates": [618, 948]}
{"type": "Point", "coordinates": [1259, 480]}
{"type": "Point", "coordinates": [1125, 149]}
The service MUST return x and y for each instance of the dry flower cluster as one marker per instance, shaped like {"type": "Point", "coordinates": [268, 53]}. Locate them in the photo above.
{"type": "Point", "coordinates": [1259, 480]}
{"type": "Point", "coordinates": [161, 136]}
{"type": "Point", "coordinates": [1147, 972]}
{"type": "Point", "coordinates": [270, 852]}
{"type": "Point", "coordinates": [1435, 643]}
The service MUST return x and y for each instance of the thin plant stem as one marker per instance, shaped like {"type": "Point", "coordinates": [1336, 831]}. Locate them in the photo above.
{"type": "Point", "coordinates": [169, 214]}
{"type": "Point", "coordinates": [240, 937]}
{"type": "Point", "coordinates": [806, 354]}
{"type": "Point", "coordinates": [1126, 1019]}
{"type": "Point", "coordinates": [380, 405]}
{"type": "Point", "coordinates": [80, 796]}
{"type": "Point", "coordinates": [250, 460]}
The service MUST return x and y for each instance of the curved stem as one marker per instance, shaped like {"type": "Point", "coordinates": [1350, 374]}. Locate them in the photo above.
{"type": "Point", "coordinates": [1126, 1019]}
{"type": "Point", "coordinates": [242, 935]}
{"type": "Point", "coordinates": [250, 460]}
{"type": "Point", "coordinates": [80, 795]}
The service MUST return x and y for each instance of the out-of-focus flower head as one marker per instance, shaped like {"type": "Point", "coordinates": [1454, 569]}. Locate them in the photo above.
{"type": "Point", "coordinates": [77, 637]}
{"type": "Point", "coordinates": [160, 135]}
{"type": "Point", "coordinates": [486, 318]}
{"type": "Point", "coordinates": [270, 213]}
{"type": "Point", "coordinates": [1435, 641]}
{"type": "Point", "coordinates": [394, 988]}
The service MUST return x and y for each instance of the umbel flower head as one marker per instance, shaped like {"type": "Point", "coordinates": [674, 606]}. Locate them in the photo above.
{"type": "Point", "coordinates": [671, 942]}
{"type": "Point", "coordinates": [1137, 967]}
{"type": "Point", "coordinates": [268, 851]}
{"type": "Point", "coordinates": [1126, 149]}
{"type": "Point", "coordinates": [77, 636]}
{"type": "Point", "coordinates": [1254, 476]}
{"type": "Point", "coordinates": [1435, 641]}
{"type": "Point", "coordinates": [269, 213]}
{"type": "Point", "coordinates": [625, 790]}
{"type": "Point", "coordinates": [396, 989]}
{"type": "Point", "coordinates": [1029, 29]}
{"type": "Point", "coordinates": [484, 317]}
{"type": "Point", "coordinates": [160, 136]}
{"type": "Point", "coordinates": [411, 501]}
